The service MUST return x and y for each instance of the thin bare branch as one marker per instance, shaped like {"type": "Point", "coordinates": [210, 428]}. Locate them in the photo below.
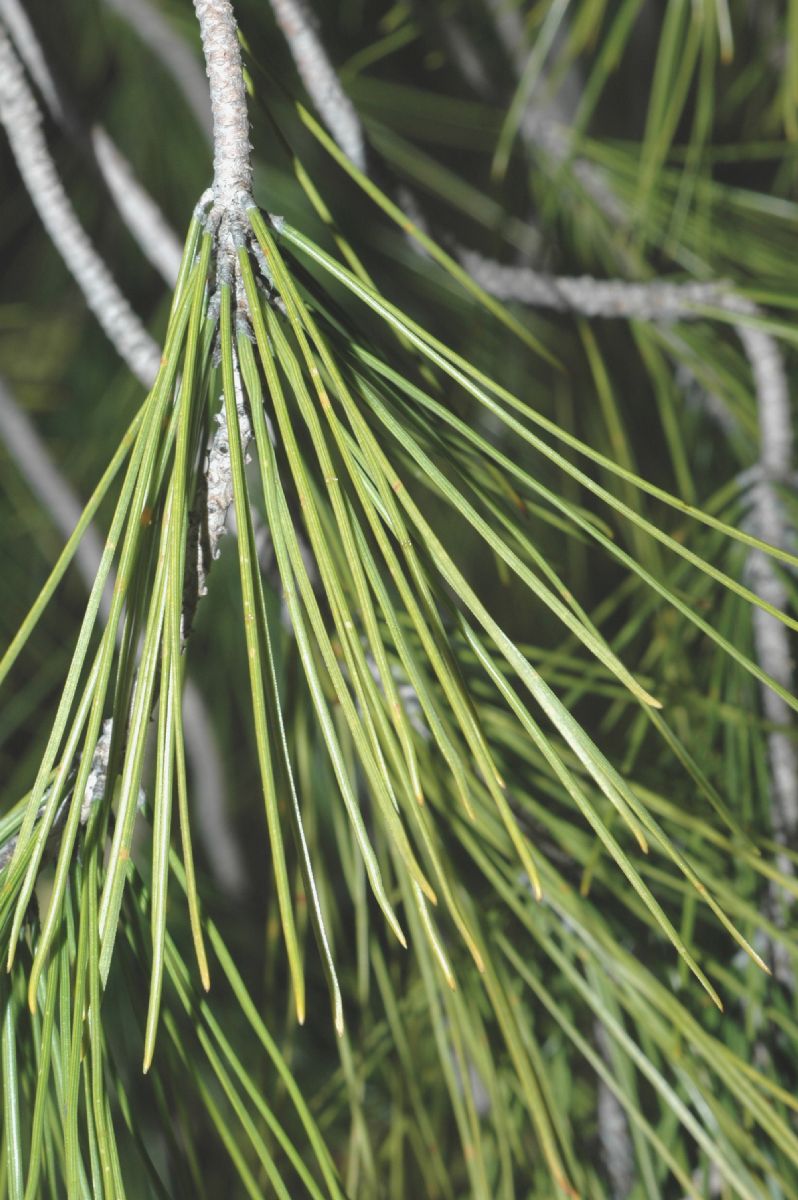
{"type": "Point", "coordinates": [232, 168]}
{"type": "Point", "coordinates": [51, 489]}
{"type": "Point", "coordinates": [771, 640]}
{"type": "Point", "coordinates": [320, 79]}
{"type": "Point", "coordinates": [144, 219]}
{"type": "Point", "coordinates": [15, 19]}
{"type": "Point", "coordinates": [22, 120]}
{"type": "Point", "coordinates": [540, 128]}
{"type": "Point", "coordinates": [614, 1138]}
{"type": "Point", "coordinates": [615, 298]}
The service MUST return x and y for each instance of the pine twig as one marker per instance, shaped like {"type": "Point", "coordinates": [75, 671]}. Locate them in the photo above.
{"type": "Point", "coordinates": [771, 640]}
{"type": "Point", "coordinates": [19, 112]}
{"type": "Point", "coordinates": [613, 1128]}
{"type": "Point", "coordinates": [320, 79]}
{"type": "Point", "coordinates": [336, 110]}
{"type": "Point", "coordinates": [232, 186]}
{"type": "Point", "coordinates": [51, 489]}
{"type": "Point", "coordinates": [20, 115]}
{"type": "Point", "coordinates": [658, 300]}
{"type": "Point", "coordinates": [139, 209]}
{"type": "Point", "coordinates": [538, 128]}
{"type": "Point", "coordinates": [149, 228]}
{"type": "Point", "coordinates": [232, 165]}
{"type": "Point", "coordinates": [15, 19]}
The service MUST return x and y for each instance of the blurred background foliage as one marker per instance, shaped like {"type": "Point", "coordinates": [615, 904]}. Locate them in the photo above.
{"type": "Point", "coordinates": [587, 1061]}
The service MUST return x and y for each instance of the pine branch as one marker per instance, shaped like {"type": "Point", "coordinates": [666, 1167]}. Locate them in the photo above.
{"type": "Point", "coordinates": [51, 489]}
{"type": "Point", "coordinates": [659, 300]}
{"type": "Point", "coordinates": [22, 120]}
{"type": "Point", "coordinates": [321, 79]}
{"type": "Point", "coordinates": [613, 1128]}
{"type": "Point", "coordinates": [15, 18]}
{"type": "Point", "coordinates": [232, 166]}
{"type": "Point", "coordinates": [232, 181]}
{"type": "Point", "coordinates": [771, 640]}
{"type": "Point", "coordinates": [120, 323]}
{"type": "Point", "coordinates": [538, 128]}
{"type": "Point", "coordinates": [233, 170]}
{"type": "Point", "coordinates": [155, 238]}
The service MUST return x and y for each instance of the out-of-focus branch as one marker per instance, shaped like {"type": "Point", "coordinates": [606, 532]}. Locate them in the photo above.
{"type": "Point", "coordinates": [332, 103]}
{"type": "Point", "coordinates": [36, 466]}
{"type": "Point", "coordinates": [660, 301]}
{"type": "Point", "coordinates": [614, 298]}
{"type": "Point", "coordinates": [539, 127]}
{"type": "Point", "coordinates": [15, 19]}
{"type": "Point", "coordinates": [771, 640]}
{"type": "Point", "coordinates": [172, 50]}
{"type": "Point", "coordinates": [320, 78]}
{"type": "Point", "coordinates": [156, 239]}
{"type": "Point", "coordinates": [22, 121]}
{"type": "Point", "coordinates": [613, 1128]}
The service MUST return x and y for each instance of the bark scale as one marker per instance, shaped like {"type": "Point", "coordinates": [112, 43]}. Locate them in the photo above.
{"type": "Point", "coordinates": [232, 166]}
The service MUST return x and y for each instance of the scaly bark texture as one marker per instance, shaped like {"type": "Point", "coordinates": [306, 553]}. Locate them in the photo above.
{"type": "Point", "coordinates": [657, 300]}
{"type": "Point", "coordinates": [232, 167]}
